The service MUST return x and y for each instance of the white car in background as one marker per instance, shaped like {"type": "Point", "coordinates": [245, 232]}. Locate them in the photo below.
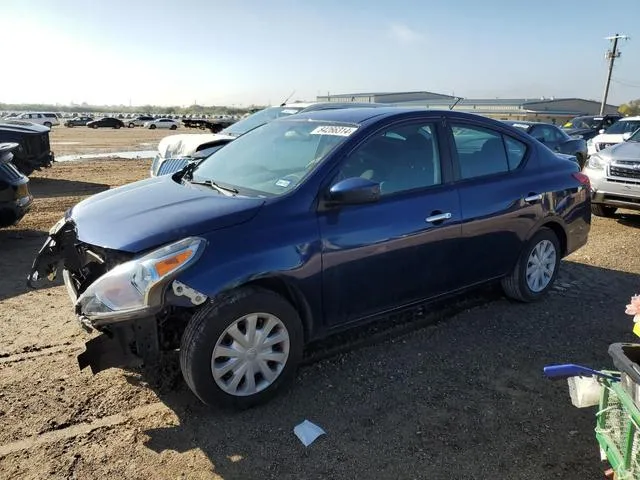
{"type": "Point", "coordinates": [48, 119]}
{"type": "Point", "coordinates": [616, 133]}
{"type": "Point", "coordinates": [162, 123]}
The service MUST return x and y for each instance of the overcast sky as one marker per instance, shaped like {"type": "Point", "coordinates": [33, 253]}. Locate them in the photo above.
{"type": "Point", "coordinates": [257, 51]}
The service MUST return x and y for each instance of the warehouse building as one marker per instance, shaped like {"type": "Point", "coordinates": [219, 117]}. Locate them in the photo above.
{"type": "Point", "coordinates": [551, 110]}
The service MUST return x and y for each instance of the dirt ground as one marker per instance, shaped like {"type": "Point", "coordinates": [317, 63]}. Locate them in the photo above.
{"type": "Point", "coordinates": [460, 398]}
{"type": "Point", "coordinates": [81, 140]}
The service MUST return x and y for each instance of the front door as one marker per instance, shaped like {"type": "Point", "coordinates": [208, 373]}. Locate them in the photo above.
{"type": "Point", "coordinates": [402, 248]}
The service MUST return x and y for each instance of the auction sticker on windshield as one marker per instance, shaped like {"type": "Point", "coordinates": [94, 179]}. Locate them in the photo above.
{"type": "Point", "coordinates": [333, 130]}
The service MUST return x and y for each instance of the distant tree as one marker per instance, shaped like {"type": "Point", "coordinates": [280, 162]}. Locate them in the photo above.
{"type": "Point", "coordinates": [630, 109]}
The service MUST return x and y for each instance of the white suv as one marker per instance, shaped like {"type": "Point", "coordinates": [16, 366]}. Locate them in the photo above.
{"type": "Point", "coordinates": [47, 119]}
{"type": "Point", "coordinates": [616, 133]}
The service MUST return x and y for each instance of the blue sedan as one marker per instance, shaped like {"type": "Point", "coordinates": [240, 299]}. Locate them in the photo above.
{"type": "Point", "coordinates": [305, 226]}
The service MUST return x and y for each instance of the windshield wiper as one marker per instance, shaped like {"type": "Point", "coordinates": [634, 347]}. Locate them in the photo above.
{"type": "Point", "coordinates": [215, 186]}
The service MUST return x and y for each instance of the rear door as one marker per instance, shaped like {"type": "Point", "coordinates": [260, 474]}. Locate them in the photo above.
{"type": "Point", "coordinates": [498, 198]}
{"type": "Point", "coordinates": [403, 248]}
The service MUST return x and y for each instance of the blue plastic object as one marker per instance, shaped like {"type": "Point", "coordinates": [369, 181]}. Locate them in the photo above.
{"type": "Point", "coordinates": [559, 372]}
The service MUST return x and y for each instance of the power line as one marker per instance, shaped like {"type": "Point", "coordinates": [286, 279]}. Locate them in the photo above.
{"type": "Point", "coordinates": [611, 55]}
{"type": "Point", "coordinates": [625, 83]}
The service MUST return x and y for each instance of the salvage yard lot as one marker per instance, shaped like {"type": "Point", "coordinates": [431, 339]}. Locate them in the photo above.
{"type": "Point", "coordinates": [462, 397]}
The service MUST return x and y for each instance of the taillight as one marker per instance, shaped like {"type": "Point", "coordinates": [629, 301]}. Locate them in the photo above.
{"type": "Point", "coordinates": [582, 178]}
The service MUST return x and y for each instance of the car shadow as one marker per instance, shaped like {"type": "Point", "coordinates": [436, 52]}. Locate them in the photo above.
{"type": "Point", "coordinates": [56, 187]}
{"type": "Point", "coordinates": [463, 393]}
{"type": "Point", "coordinates": [629, 219]}
{"type": "Point", "coordinates": [18, 248]}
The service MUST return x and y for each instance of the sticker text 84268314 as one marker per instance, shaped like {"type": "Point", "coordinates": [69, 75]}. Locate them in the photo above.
{"type": "Point", "coordinates": [337, 130]}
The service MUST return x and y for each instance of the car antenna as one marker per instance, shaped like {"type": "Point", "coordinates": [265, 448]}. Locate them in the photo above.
{"type": "Point", "coordinates": [287, 99]}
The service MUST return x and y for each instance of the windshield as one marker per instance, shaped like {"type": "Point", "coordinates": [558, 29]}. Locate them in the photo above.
{"type": "Point", "coordinates": [623, 126]}
{"type": "Point", "coordinates": [583, 122]}
{"type": "Point", "coordinates": [259, 118]}
{"type": "Point", "coordinates": [635, 137]}
{"type": "Point", "coordinates": [275, 158]}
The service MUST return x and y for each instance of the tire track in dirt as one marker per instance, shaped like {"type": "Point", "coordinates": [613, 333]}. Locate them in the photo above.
{"type": "Point", "coordinates": [81, 428]}
{"type": "Point", "coordinates": [41, 351]}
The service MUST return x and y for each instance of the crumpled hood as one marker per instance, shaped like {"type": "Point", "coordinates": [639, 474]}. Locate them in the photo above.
{"type": "Point", "coordinates": [622, 151]}
{"type": "Point", "coordinates": [185, 144]}
{"type": "Point", "coordinates": [153, 212]}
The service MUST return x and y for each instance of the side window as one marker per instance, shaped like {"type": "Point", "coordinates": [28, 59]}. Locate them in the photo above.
{"type": "Point", "coordinates": [516, 151]}
{"type": "Point", "coordinates": [400, 158]}
{"type": "Point", "coordinates": [480, 151]}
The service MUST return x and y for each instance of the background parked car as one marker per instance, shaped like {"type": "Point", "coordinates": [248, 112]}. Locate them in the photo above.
{"type": "Point", "coordinates": [616, 133]}
{"type": "Point", "coordinates": [555, 138]}
{"type": "Point", "coordinates": [162, 123]}
{"type": "Point", "coordinates": [480, 202]}
{"type": "Point", "coordinates": [78, 121]}
{"type": "Point", "coordinates": [106, 122]}
{"type": "Point", "coordinates": [176, 151]}
{"type": "Point", "coordinates": [588, 127]}
{"type": "Point", "coordinates": [615, 177]}
{"type": "Point", "coordinates": [15, 199]}
{"type": "Point", "coordinates": [139, 121]}
{"type": "Point", "coordinates": [48, 119]}
{"type": "Point", "coordinates": [34, 150]}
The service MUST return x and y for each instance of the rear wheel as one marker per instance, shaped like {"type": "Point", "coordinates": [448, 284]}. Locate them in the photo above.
{"type": "Point", "coordinates": [600, 210]}
{"type": "Point", "coordinates": [173, 127]}
{"type": "Point", "coordinates": [131, 125]}
{"type": "Point", "coordinates": [117, 126]}
{"type": "Point", "coordinates": [243, 349]}
{"type": "Point", "coordinates": [536, 270]}
{"type": "Point", "coordinates": [152, 126]}
{"type": "Point", "coordinates": [47, 124]}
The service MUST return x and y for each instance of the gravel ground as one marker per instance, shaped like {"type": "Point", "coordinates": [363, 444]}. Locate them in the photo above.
{"type": "Point", "coordinates": [458, 394]}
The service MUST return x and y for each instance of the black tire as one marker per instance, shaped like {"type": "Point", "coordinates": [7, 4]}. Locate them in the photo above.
{"type": "Point", "coordinates": [515, 284]}
{"type": "Point", "coordinates": [173, 127]}
{"type": "Point", "coordinates": [600, 210]}
{"type": "Point", "coordinates": [47, 124]}
{"type": "Point", "coordinates": [210, 322]}
{"type": "Point", "coordinates": [152, 127]}
{"type": "Point", "coordinates": [94, 126]}
{"type": "Point", "coordinates": [116, 126]}
{"type": "Point", "coordinates": [131, 125]}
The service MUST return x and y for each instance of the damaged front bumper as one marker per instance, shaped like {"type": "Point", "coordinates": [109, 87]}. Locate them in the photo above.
{"type": "Point", "coordinates": [128, 337]}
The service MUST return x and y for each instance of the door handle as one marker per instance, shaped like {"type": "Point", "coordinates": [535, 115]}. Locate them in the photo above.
{"type": "Point", "coordinates": [438, 218]}
{"type": "Point", "coordinates": [533, 198]}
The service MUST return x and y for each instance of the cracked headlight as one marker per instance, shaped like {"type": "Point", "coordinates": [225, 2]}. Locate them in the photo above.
{"type": "Point", "coordinates": [134, 287]}
{"type": "Point", "coordinates": [595, 162]}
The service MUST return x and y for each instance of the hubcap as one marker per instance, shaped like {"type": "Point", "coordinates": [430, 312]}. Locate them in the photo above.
{"type": "Point", "coordinates": [541, 265]}
{"type": "Point", "coordinates": [250, 354]}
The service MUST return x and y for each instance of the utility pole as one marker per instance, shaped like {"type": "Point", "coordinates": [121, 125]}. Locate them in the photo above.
{"type": "Point", "coordinates": [611, 55]}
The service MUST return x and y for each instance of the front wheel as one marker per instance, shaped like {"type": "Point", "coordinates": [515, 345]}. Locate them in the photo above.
{"type": "Point", "coordinates": [131, 125]}
{"type": "Point", "coordinates": [243, 349]}
{"type": "Point", "coordinates": [47, 124]}
{"type": "Point", "coordinates": [536, 270]}
{"type": "Point", "coordinates": [600, 210]}
{"type": "Point", "coordinates": [152, 127]}
{"type": "Point", "coordinates": [173, 127]}
{"type": "Point", "coordinates": [116, 126]}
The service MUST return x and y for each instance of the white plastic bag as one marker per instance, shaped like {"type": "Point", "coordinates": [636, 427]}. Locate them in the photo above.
{"type": "Point", "coordinates": [584, 391]}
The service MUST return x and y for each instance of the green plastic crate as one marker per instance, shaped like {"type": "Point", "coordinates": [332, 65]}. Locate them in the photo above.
{"type": "Point", "coordinates": [618, 429]}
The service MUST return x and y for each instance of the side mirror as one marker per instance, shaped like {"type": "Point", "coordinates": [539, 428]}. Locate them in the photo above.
{"type": "Point", "coordinates": [626, 136]}
{"type": "Point", "coordinates": [353, 191]}
{"type": "Point", "coordinates": [601, 130]}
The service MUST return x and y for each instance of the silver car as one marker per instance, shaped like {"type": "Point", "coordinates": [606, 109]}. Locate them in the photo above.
{"type": "Point", "coordinates": [615, 177]}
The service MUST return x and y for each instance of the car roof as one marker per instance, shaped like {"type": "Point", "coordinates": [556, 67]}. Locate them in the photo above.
{"type": "Point", "coordinates": [635, 119]}
{"type": "Point", "coordinates": [354, 114]}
